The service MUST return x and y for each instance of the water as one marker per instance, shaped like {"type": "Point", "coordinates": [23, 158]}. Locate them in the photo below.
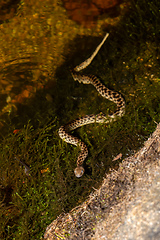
{"type": "Point", "coordinates": [35, 65]}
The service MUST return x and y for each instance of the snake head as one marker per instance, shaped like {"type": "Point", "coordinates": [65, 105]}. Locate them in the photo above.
{"type": "Point", "coordinates": [78, 171]}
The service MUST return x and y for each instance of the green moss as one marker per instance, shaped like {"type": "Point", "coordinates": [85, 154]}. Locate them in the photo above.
{"type": "Point", "coordinates": [128, 63]}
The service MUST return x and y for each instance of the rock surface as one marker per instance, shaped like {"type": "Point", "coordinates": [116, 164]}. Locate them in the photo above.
{"type": "Point", "coordinates": [86, 12]}
{"type": "Point", "coordinates": [126, 206]}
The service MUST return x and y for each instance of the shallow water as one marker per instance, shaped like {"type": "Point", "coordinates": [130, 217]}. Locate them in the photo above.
{"type": "Point", "coordinates": [38, 95]}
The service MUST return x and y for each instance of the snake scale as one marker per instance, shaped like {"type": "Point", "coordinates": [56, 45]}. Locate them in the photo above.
{"type": "Point", "coordinates": [64, 131]}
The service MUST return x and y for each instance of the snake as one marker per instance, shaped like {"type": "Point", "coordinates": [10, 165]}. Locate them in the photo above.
{"type": "Point", "coordinates": [65, 130]}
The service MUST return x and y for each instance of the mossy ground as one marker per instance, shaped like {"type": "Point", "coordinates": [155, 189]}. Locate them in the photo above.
{"type": "Point", "coordinates": [129, 64]}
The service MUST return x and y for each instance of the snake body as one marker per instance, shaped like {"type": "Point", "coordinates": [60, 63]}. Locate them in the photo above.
{"type": "Point", "coordinates": [64, 131]}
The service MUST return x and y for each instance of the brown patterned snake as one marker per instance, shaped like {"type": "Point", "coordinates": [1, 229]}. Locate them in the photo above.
{"type": "Point", "coordinates": [64, 131]}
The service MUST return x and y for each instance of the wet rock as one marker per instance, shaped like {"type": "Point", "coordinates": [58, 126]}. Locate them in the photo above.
{"type": "Point", "coordinates": [86, 12]}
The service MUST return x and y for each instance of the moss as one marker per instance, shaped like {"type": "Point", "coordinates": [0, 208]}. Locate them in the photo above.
{"type": "Point", "coordinates": [128, 63]}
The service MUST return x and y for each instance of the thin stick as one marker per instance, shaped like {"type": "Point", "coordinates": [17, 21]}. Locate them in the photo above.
{"type": "Point", "coordinates": [89, 60]}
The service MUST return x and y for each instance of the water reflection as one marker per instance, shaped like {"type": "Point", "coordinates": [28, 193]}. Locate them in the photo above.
{"type": "Point", "coordinates": [19, 80]}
